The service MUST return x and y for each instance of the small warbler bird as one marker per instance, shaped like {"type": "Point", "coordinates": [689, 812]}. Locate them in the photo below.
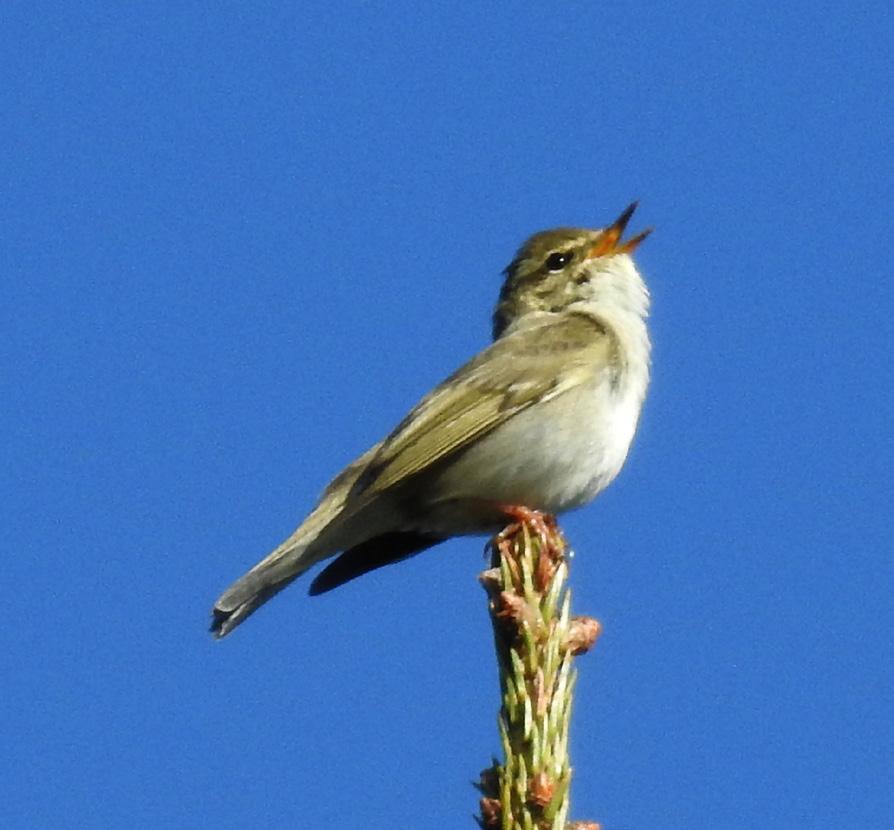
{"type": "Point", "coordinates": [541, 419]}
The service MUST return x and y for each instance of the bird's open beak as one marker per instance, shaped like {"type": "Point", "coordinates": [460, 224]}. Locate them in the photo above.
{"type": "Point", "coordinates": [608, 243]}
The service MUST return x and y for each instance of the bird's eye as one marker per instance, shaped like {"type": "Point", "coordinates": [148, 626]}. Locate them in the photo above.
{"type": "Point", "coordinates": [558, 260]}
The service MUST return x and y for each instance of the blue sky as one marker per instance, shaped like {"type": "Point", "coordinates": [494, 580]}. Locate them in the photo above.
{"type": "Point", "coordinates": [237, 244]}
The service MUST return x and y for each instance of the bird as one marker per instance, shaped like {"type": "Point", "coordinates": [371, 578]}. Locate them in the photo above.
{"type": "Point", "coordinates": [541, 419]}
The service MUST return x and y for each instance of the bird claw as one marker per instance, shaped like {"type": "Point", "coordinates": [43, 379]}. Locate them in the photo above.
{"type": "Point", "coordinates": [544, 525]}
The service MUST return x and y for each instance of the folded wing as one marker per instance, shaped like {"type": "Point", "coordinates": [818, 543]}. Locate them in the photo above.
{"type": "Point", "coordinates": [526, 366]}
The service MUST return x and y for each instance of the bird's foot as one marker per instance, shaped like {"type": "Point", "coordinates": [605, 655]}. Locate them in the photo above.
{"type": "Point", "coordinates": [544, 525]}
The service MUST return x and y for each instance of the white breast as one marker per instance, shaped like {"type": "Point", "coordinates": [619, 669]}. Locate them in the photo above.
{"type": "Point", "coordinates": [557, 455]}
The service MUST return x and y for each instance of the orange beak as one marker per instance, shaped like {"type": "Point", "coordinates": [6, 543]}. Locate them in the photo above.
{"type": "Point", "coordinates": [607, 244]}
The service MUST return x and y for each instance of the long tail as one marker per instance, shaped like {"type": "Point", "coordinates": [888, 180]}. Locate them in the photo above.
{"type": "Point", "coordinates": [302, 550]}
{"type": "Point", "coordinates": [277, 570]}
{"type": "Point", "coordinates": [263, 581]}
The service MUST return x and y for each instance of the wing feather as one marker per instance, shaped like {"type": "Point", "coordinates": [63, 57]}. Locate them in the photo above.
{"type": "Point", "coordinates": [528, 365]}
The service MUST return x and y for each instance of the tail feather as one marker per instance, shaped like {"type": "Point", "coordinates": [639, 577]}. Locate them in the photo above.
{"type": "Point", "coordinates": [261, 583]}
{"type": "Point", "coordinates": [229, 611]}
{"type": "Point", "coordinates": [369, 555]}
{"type": "Point", "coordinates": [303, 549]}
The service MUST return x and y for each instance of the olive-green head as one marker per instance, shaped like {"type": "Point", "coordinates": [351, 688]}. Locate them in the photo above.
{"type": "Point", "coordinates": [558, 267]}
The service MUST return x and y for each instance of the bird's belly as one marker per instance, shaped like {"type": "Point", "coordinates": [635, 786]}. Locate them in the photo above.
{"type": "Point", "coordinates": [554, 456]}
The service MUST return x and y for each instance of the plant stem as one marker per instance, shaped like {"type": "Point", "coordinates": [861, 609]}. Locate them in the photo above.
{"type": "Point", "coordinates": [536, 639]}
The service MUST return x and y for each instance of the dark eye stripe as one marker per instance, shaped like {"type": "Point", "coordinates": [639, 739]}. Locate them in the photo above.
{"type": "Point", "coordinates": [558, 260]}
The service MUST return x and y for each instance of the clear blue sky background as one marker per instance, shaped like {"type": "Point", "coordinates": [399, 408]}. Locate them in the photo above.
{"type": "Point", "coordinates": [237, 244]}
